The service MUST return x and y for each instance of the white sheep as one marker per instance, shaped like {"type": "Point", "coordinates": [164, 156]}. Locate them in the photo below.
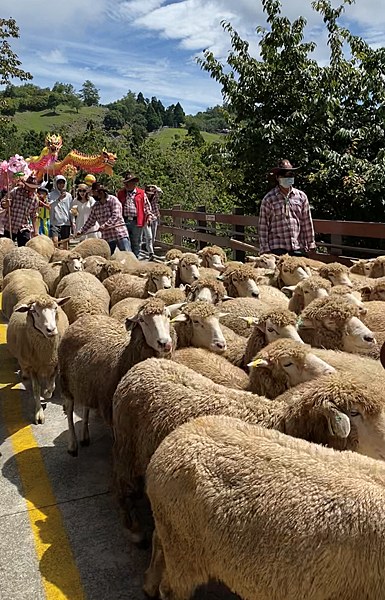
{"type": "Point", "coordinates": [131, 286]}
{"type": "Point", "coordinates": [33, 336]}
{"type": "Point", "coordinates": [88, 295]}
{"type": "Point", "coordinates": [42, 245]}
{"type": "Point", "coordinates": [268, 515]}
{"type": "Point", "coordinates": [306, 291]}
{"type": "Point", "coordinates": [292, 269]}
{"type": "Point", "coordinates": [337, 273]}
{"type": "Point", "coordinates": [18, 285]}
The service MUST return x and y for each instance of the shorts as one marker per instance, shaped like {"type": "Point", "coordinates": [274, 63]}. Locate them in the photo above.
{"type": "Point", "coordinates": [60, 231]}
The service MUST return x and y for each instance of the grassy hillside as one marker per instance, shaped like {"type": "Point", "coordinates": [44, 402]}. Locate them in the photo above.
{"type": "Point", "coordinates": [46, 120]}
{"type": "Point", "coordinates": [167, 136]}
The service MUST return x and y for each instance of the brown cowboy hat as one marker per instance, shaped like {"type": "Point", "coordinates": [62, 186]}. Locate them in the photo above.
{"type": "Point", "coordinates": [31, 183]}
{"type": "Point", "coordinates": [98, 187]}
{"type": "Point", "coordinates": [283, 166]}
{"type": "Point", "coordinates": [130, 177]}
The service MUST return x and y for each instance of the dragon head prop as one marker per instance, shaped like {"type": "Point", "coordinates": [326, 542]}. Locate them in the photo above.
{"type": "Point", "coordinates": [109, 161]}
{"type": "Point", "coordinates": [53, 142]}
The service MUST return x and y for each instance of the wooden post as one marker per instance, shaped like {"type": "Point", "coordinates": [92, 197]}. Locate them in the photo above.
{"type": "Point", "coordinates": [177, 239]}
{"type": "Point", "coordinates": [335, 239]}
{"type": "Point", "coordinates": [201, 224]}
{"type": "Point", "coordinates": [239, 234]}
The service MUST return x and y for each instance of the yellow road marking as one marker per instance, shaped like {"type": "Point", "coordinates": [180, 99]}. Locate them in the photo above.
{"type": "Point", "coordinates": [58, 570]}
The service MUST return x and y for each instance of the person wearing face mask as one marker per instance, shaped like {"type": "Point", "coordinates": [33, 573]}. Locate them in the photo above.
{"type": "Point", "coordinates": [285, 223]}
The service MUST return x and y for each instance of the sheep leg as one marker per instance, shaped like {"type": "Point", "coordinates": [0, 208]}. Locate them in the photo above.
{"type": "Point", "coordinates": [85, 435]}
{"type": "Point", "coordinates": [50, 383]}
{"type": "Point", "coordinates": [154, 573]}
{"type": "Point", "coordinates": [72, 445]}
{"type": "Point", "coordinates": [39, 412]}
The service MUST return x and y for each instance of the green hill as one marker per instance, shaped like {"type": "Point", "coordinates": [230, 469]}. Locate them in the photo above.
{"type": "Point", "coordinates": [46, 120]}
{"type": "Point", "coordinates": [168, 135]}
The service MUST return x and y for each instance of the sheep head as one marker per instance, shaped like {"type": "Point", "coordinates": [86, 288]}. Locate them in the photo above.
{"type": "Point", "coordinates": [207, 289]}
{"type": "Point", "coordinates": [42, 313]}
{"type": "Point", "coordinates": [213, 257]}
{"type": "Point", "coordinates": [240, 281]}
{"type": "Point", "coordinates": [374, 291]}
{"type": "Point", "coordinates": [350, 296]}
{"type": "Point", "coordinates": [203, 322]}
{"type": "Point", "coordinates": [292, 269]}
{"type": "Point", "coordinates": [188, 268]}
{"type": "Point", "coordinates": [159, 278]}
{"type": "Point", "coordinates": [306, 291]}
{"type": "Point", "coordinates": [337, 273]}
{"type": "Point", "coordinates": [154, 320]}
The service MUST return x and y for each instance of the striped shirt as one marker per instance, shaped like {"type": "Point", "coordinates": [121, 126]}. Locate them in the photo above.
{"type": "Point", "coordinates": [130, 205]}
{"type": "Point", "coordinates": [285, 222]}
{"type": "Point", "coordinates": [108, 215]}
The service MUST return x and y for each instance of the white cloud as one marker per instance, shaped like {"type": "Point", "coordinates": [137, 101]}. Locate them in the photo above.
{"type": "Point", "coordinates": [55, 57]}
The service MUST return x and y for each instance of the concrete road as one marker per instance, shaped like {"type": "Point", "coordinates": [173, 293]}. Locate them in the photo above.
{"type": "Point", "coordinates": [60, 533]}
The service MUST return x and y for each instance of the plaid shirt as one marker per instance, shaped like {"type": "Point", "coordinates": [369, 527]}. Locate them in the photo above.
{"type": "Point", "coordinates": [24, 206]}
{"type": "Point", "coordinates": [130, 206]}
{"type": "Point", "coordinates": [154, 202]}
{"type": "Point", "coordinates": [285, 222]}
{"type": "Point", "coordinates": [110, 215]}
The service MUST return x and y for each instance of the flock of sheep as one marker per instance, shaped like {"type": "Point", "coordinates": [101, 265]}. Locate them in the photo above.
{"type": "Point", "coordinates": [207, 371]}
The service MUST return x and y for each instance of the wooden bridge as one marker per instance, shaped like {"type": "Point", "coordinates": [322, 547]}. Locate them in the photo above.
{"type": "Point", "coordinates": [196, 229]}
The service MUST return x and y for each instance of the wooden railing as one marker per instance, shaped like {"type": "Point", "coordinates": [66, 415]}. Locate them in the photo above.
{"type": "Point", "coordinates": [240, 233]}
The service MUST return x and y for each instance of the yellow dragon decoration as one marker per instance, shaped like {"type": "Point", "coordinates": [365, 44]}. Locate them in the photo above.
{"type": "Point", "coordinates": [47, 161]}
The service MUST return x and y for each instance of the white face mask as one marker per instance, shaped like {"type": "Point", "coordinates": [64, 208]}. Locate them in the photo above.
{"type": "Point", "coordinates": [286, 182]}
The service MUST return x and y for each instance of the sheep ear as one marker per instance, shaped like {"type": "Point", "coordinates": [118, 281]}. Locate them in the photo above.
{"type": "Point", "coordinates": [338, 422]}
{"type": "Point", "coordinates": [227, 298]}
{"type": "Point", "coordinates": [250, 320]}
{"type": "Point", "coordinates": [260, 362]}
{"type": "Point", "coordinates": [179, 319]}
{"type": "Point", "coordinates": [288, 290]}
{"type": "Point", "coordinates": [355, 260]}
{"type": "Point", "coordinates": [220, 315]}
{"type": "Point", "coordinates": [23, 308]}
{"type": "Point", "coordinates": [56, 263]}
{"type": "Point", "coordinates": [200, 252]}
{"type": "Point", "coordinates": [200, 261]}
{"type": "Point", "coordinates": [131, 320]}
{"type": "Point", "coordinates": [62, 301]}
{"type": "Point", "coordinates": [182, 287]}
{"type": "Point", "coordinates": [151, 294]}
{"type": "Point", "coordinates": [173, 309]}
{"type": "Point", "coordinates": [220, 277]}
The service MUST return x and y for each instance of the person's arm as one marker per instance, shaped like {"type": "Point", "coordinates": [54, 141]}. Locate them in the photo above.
{"type": "Point", "coordinates": [264, 226]}
{"type": "Point", "coordinates": [306, 237]}
{"type": "Point", "coordinates": [89, 223]}
{"type": "Point", "coordinates": [148, 214]}
{"type": "Point", "coordinates": [116, 215]}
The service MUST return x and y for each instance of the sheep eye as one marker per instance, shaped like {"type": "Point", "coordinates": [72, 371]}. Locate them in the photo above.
{"type": "Point", "coordinates": [270, 329]}
{"type": "Point", "coordinates": [306, 292]}
{"type": "Point", "coordinates": [354, 412]}
{"type": "Point", "coordinates": [289, 364]}
{"type": "Point", "coordinates": [196, 322]}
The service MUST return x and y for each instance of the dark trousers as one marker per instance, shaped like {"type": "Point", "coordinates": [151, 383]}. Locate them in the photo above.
{"type": "Point", "coordinates": [281, 251]}
{"type": "Point", "coordinates": [135, 234]}
{"type": "Point", "coordinates": [22, 237]}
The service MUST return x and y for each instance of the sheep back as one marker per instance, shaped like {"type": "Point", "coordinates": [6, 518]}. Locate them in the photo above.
{"type": "Point", "coordinates": [42, 245]}
{"type": "Point", "coordinates": [23, 258]}
{"type": "Point", "coordinates": [94, 247]}
{"type": "Point", "coordinates": [212, 365]}
{"type": "Point", "coordinates": [18, 285]}
{"type": "Point", "coordinates": [6, 244]}
{"type": "Point", "coordinates": [88, 295]}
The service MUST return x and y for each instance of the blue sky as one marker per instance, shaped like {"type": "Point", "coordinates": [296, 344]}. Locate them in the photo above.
{"type": "Point", "coordinates": [150, 45]}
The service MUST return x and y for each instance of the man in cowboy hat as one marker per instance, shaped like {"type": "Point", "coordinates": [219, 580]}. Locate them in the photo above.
{"type": "Point", "coordinates": [136, 210]}
{"type": "Point", "coordinates": [285, 224]}
{"type": "Point", "coordinates": [24, 206]}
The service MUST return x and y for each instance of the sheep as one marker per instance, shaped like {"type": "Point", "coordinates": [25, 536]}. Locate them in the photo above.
{"type": "Point", "coordinates": [270, 325]}
{"type": "Point", "coordinates": [58, 255]}
{"type": "Point", "coordinates": [156, 396]}
{"type": "Point", "coordinates": [284, 364]}
{"type": "Point", "coordinates": [264, 261]}
{"type": "Point", "coordinates": [35, 329]}
{"type": "Point", "coordinates": [88, 295]}
{"type": "Point", "coordinates": [172, 259]}
{"type": "Point", "coordinates": [126, 259]}
{"type": "Point", "coordinates": [266, 277]}
{"type": "Point", "coordinates": [292, 269]}
{"type": "Point", "coordinates": [376, 267]}
{"type": "Point", "coordinates": [375, 315]}
{"type": "Point", "coordinates": [374, 291]}
{"type": "Point", "coordinates": [94, 247]}
{"type": "Point", "coordinates": [130, 286]}
{"type": "Point", "coordinates": [6, 245]}
{"type": "Point", "coordinates": [207, 289]}
{"type": "Point", "coordinates": [214, 366]}
{"type": "Point", "coordinates": [187, 269]}
{"type": "Point", "coordinates": [306, 291]}
{"type": "Point", "coordinates": [241, 307]}
{"type": "Point", "coordinates": [198, 325]}
{"type": "Point", "coordinates": [125, 308]}
{"type": "Point", "coordinates": [42, 245]}
{"type": "Point", "coordinates": [23, 258]}
{"type": "Point", "coordinates": [213, 257]}
{"type": "Point", "coordinates": [111, 283]}
{"type": "Point", "coordinates": [361, 266]}
{"type": "Point", "coordinates": [240, 280]}
{"type": "Point", "coordinates": [350, 296]}
{"type": "Point", "coordinates": [18, 285]}
{"type": "Point", "coordinates": [51, 275]}
{"type": "Point", "coordinates": [235, 347]}
{"type": "Point", "coordinates": [268, 515]}
{"type": "Point", "coordinates": [337, 273]}
{"type": "Point", "coordinates": [96, 351]}
{"type": "Point", "coordinates": [102, 268]}
{"type": "Point", "coordinates": [172, 296]}
{"type": "Point", "coordinates": [333, 323]}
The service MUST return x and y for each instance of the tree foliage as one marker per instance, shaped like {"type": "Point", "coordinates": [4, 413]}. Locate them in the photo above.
{"type": "Point", "coordinates": [9, 61]}
{"type": "Point", "coordinates": [327, 119]}
{"type": "Point", "coordinates": [90, 94]}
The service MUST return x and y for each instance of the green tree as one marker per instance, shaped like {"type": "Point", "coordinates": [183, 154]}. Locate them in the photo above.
{"type": "Point", "coordinates": [54, 99]}
{"type": "Point", "coordinates": [170, 116]}
{"type": "Point", "coordinates": [153, 120]}
{"type": "Point", "coordinates": [74, 101]}
{"type": "Point", "coordinates": [89, 94]}
{"type": "Point", "coordinates": [140, 99]}
{"type": "Point", "coordinates": [9, 61]}
{"type": "Point", "coordinates": [195, 135]}
{"type": "Point", "coordinates": [113, 120]}
{"type": "Point", "coordinates": [327, 119]}
{"type": "Point", "coordinates": [179, 115]}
